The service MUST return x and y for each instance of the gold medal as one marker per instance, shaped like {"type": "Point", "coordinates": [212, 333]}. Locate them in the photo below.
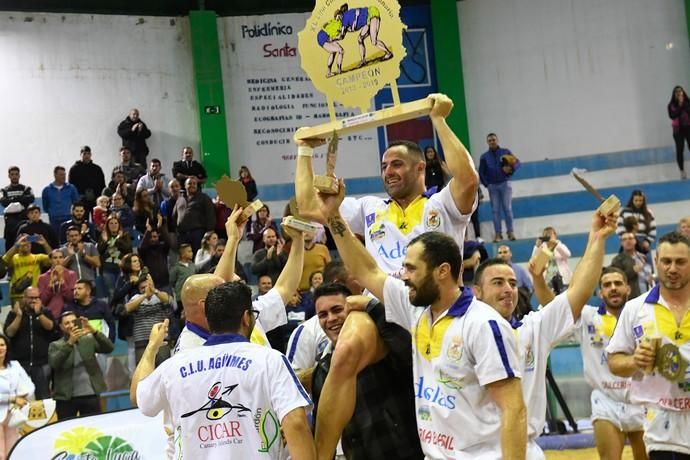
{"type": "Point", "coordinates": [670, 363]}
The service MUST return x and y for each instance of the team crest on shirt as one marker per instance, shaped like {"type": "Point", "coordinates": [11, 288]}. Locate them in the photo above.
{"type": "Point", "coordinates": [433, 220]}
{"type": "Point", "coordinates": [377, 232]}
{"type": "Point", "coordinates": [424, 413]}
{"type": "Point", "coordinates": [596, 338]}
{"type": "Point", "coordinates": [529, 358]}
{"type": "Point", "coordinates": [454, 350]}
{"type": "Point", "coordinates": [216, 407]}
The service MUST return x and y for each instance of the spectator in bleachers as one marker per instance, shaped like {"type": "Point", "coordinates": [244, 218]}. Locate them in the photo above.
{"type": "Point", "coordinates": [16, 199]}
{"type": "Point", "coordinates": [155, 183]}
{"type": "Point", "coordinates": [271, 259]}
{"type": "Point", "coordinates": [557, 273]}
{"type": "Point", "coordinates": [88, 178]}
{"type": "Point", "coordinates": [473, 254]}
{"type": "Point", "coordinates": [144, 210]}
{"type": "Point", "coordinates": [134, 133]}
{"type": "Point", "coordinates": [188, 167]}
{"type": "Point", "coordinates": [126, 286]}
{"type": "Point", "coordinates": [82, 257]}
{"type": "Point", "coordinates": [637, 207]}
{"type": "Point", "coordinates": [95, 310]}
{"type": "Point", "coordinates": [80, 219]}
{"type": "Point", "coordinates": [679, 112]}
{"type": "Point", "coordinates": [16, 388]}
{"type": "Point", "coordinates": [30, 327]}
{"type": "Point", "coordinates": [316, 256]}
{"type": "Point", "coordinates": [207, 249]}
{"type": "Point", "coordinates": [437, 173]}
{"type": "Point", "coordinates": [99, 213]}
{"type": "Point", "coordinates": [56, 286]}
{"type": "Point", "coordinates": [222, 214]}
{"type": "Point", "coordinates": [263, 285]}
{"type": "Point", "coordinates": [496, 167]}
{"type": "Point", "coordinates": [148, 307]}
{"type": "Point", "coordinates": [307, 297]}
{"type": "Point", "coordinates": [123, 212]}
{"type": "Point", "coordinates": [77, 377]}
{"type": "Point", "coordinates": [118, 184]}
{"type": "Point", "coordinates": [248, 182]}
{"type": "Point", "coordinates": [210, 265]}
{"type": "Point", "coordinates": [524, 280]}
{"type": "Point", "coordinates": [129, 167]}
{"type": "Point", "coordinates": [196, 215]}
{"type": "Point", "coordinates": [636, 266]}
{"type": "Point", "coordinates": [24, 266]}
{"type": "Point", "coordinates": [58, 198]}
{"type": "Point", "coordinates": [183, 269]}
{"type": "Point", "coordinates": [169, 206]}
{"type": "Point", "coordinates": [153, 251]}
{"type": "Point", "coordinates": [684, 226]}
{"type": "Point", "coordinates": [298, 309]}
{"type": "Point", "coordinates": [113, 244]}
{"type": "Point", "coordinates": [35, 226]}
{"type": "Point", "coordinates": [261, 222]}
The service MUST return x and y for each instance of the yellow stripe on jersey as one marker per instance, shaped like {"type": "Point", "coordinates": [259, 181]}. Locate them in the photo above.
{"type": "Point", "coordinates": [667, 325]}
{"type": "Point", "coordinates": [428, 340]}
{"type": "Point", "coordinates": [608, 323]}
{"type": "Point", "coordinates": [405, 219]}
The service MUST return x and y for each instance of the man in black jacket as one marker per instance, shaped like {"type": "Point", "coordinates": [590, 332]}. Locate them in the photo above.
{"type": "Point", "coordinates": [17, 193]}
{"type": "Point", "coordinates": [188, 167]}
{"type": "Point", "coordinates": [88, 177]}
{"type": "Point", "coordinates": [31, 327]}
{"type": "Point", "coordinates": [134, 133]}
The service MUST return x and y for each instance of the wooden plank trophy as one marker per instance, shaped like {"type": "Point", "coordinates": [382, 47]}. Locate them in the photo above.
{"type": "Point", "coordinates": [338, 36]}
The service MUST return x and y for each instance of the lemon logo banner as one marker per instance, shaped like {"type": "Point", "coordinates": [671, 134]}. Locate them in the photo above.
{"type": "Point", "coordinates": [123, 435]}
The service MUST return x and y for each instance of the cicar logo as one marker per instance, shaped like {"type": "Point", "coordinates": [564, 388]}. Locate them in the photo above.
{"type": "Point", "coordinates": [434, 394]}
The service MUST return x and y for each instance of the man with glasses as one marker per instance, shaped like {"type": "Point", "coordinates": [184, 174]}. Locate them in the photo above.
{"type": "Point", "coordinates": [30, 327]}
{"type": "Point", "coordinates": [230, 398]}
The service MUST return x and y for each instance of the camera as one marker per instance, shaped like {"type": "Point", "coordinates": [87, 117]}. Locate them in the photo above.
{"type": "Point", "coordinates": [32, 239]}
{"type": "Point", "coordinates": [143, 275]}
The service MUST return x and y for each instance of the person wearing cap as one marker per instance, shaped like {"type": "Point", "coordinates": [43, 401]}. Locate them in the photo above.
{"type": "Point", "coordinates": [88, 177]}
{"type": "Point", "coordinates": [15, 198]}
{"type": "Point", "coordinates": [35, 226]}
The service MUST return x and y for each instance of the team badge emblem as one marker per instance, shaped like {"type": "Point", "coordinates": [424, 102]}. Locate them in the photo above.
{"type": "Point", "coordinates": [454, 352]}
{"type": "Point", "coordinates": [433, 220]}
{"type": "Point", "coordinates": [670, 363]}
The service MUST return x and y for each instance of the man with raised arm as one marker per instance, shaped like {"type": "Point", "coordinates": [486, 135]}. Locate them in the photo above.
{"type": "Point", "coordinates": [467, 388]}
{"type": "Point", "coordinates": [495, 283]}
{"type": "Point", "coordinates": [661, 376]}
{"type": "Point", "coordinates": [389, 225]}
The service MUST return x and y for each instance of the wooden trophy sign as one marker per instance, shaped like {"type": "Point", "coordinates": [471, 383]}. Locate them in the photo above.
{"type": "Point", "coordinates": [329, 183]}
{"type": "Point", "coordinates": [350, 51]}
{"type": "Point", "coordinates": [232, 192]}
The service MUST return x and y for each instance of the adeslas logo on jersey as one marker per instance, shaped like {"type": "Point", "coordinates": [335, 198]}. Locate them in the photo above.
{"type": "Point", "coordinates": [434, 394]}
{"type": "Point", "coordinates": [396, 252]}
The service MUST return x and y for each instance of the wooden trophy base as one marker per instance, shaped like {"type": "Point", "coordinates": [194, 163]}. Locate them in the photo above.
{"type": "Point", "coordinates": [541, 258]}
{"type": "Point", "coordinates": [609, 205]}
{"type": "Point", "coordinates": [387, 116]}
{"type": "Point", "coordinates": [249, 210]}
{"type": "Point", "coordinates": [326, 184]}
{"type": "Point", "coordinates": [299, 224]}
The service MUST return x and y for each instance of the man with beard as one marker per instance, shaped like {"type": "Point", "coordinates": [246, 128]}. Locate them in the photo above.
{"type": "Point", "coordinates": [465, 355]}
{"type": "Point", "coordinates": [389, 225]}
{"type": "Point", "coordinates": [88, 177]}
{"type": "Point", "coordinates": [613, 417]}
{"type": "Point", "coordinates": [661, 313]}
{"type": "Point", "coordinates": [80, 219]}
{"type": "Point", "coordinates": [539, 332]}
{"type": "Point", "coordinates": [14, 214]}
{"type": "Point", "coordinates": [134, 133]}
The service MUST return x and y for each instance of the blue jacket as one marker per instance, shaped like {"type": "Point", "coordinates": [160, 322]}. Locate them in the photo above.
{"type": "Point", "coordinates": [58, 202]}
{"type": "Point", "coordinates": [490, 171]}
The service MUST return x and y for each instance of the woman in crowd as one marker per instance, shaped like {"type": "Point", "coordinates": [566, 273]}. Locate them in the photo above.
{"type": "Point", "coordinates": [679, 112]}
{"type": "Point", "coordinates": [646, 224]}
{"type": "Point", "coordinates": [437, 172]}
{"type": "Point", "coordinates": [143, 210]}
{"type": "Point", "coordinates": [126, 286]}
{"type": "Point", "coordinates": [207, 249]}
{"type": "Point", "coordinates": [248, 182]}
{"type": "Point", "coordinates": [113, 244]}
{"type": "Point", "coordinates": [15, 389]}
{"type": "Point", "coordinates": [259, 224]}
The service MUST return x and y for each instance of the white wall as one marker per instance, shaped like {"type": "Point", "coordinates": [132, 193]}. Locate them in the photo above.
{"type": "Point", "coordinates": [560, 78]}
{"type": "Point", "coordinates": [68, 80]}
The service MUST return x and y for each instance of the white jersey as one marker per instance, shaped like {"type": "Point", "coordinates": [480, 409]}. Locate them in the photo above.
{"type": "Point", "coordinates": [594, 332]}
{"type": "Point", "coordinates": [387, 228]}
{"type": "Point", "coordinates": [272, 315]}
{"type": "Point", "coordinates": [228, 397]}
{"type": "Point", "coordinates": [538, 333]}
{"type": "Point", "coordinates": [306, 344]}
{"type": "Point", "coordinates": [465, 349]}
